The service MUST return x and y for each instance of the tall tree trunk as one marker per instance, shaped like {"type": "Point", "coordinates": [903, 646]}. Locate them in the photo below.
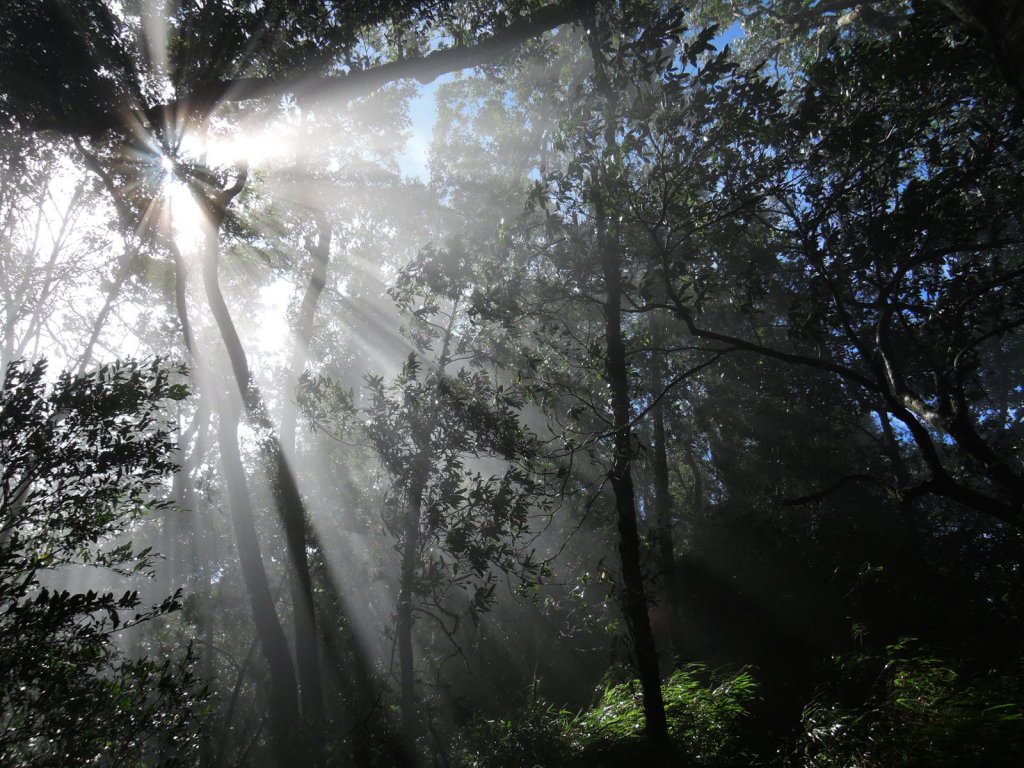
{"type": "Point", "coordinates": [287, 499]}
{"type": "Point", "coordinates": [662, 494]}
{"type": "Point", "coordinates": [354, 677]}
{"type": "Point", "coordinates": [424, 422]}
{"type": "Point", "coordinates": [634, 595]}
{"type": "Point", "coordinates": [319, 252]}
{"type": "Point", "coordinates": [349, 674]}
{"type": "Point", "coordinates": [201, 533]}
{"type": "Point", "coordinates": [194, 523]}
{"type": "Point", "coordinates": [404, 618]}
{"type": "Point", "coordinates": [283, 696]}
{"type": "Point", "coordinates": [283, 700]}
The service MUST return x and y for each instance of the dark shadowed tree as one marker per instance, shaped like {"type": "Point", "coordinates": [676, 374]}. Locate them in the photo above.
{"type": "Point", "coordinates": [83, 458]}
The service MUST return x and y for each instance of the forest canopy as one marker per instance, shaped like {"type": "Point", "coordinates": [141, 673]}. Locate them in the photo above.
{"type": "Point", "coordinates": [511, 384]}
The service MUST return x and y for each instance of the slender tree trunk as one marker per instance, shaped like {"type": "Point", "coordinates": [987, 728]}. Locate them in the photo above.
{"type": "Point", "coordinates": [319, 251]}
{"type": "Point", "coordinates": [662, 494]}
{"type": "Point", "coordinates": [352, 695]}
{"type": "Point", "coordinates": [194, 523]}
{"type": "Point", "coordinates": [283, 696]}
{"type": "Point", "coordinates": [201, 533]}
{"type": "Point", "coordinates": [634, 596]}
{"type": "Point", "coordinates": [404, 618]}
{"type": "Point", "coordinates": [291, 509]}
{"type": "Point", "coordinates": [287, 498]}
{"type": "Point", "coordinates": [289, 503]}
{"type": "Point", "coordinates": [424, 422]}
{"type": "Point", "coordinates": [273, 644]}
{"type": "Point", "coordinates": [696, 483]}
{"type": "Point", "coordinates": [123, 271]}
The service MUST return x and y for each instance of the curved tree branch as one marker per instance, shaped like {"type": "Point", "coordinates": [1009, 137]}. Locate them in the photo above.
{"type": "Point", "coordinates": [198, 105]}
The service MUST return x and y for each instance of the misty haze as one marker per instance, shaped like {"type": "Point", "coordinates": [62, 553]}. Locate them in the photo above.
{"type": "Point", "coordinates": [497, 385]}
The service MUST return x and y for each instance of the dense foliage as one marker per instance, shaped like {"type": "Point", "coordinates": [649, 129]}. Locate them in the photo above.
{"type": "Point", "coordinates": [706, 714]}
{"type": "Point", "coordinates": [545, 358]}
{"type": "Point", "coordinates": [81, 457]}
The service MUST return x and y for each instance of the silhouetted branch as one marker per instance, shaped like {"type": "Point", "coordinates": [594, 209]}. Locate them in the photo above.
{"type": "Point", "coordinates": [197, 105]}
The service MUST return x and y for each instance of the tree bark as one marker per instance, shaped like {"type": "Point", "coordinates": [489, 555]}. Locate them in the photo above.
{"type": "Point", "coordinates": [424, 421]}
{"type": "Point", "coordinates": [404, 618]}
{"type": "Point", "coordinates": [634, 594]}
{"type": "Point", "coordinates": [288, 501]}
{"type": "Point", "coordinates": [283, 698]}
{"type": "Point", "coordinates": [283, 701]}
{"type": "Point", "coordinates": [201, 534]}
{"type": "Point", "coordinates": [289, 504]}
{"type": "Point", "coordinates": [319, 252]}
{"type": "Point", "coordinates": [662, 494]}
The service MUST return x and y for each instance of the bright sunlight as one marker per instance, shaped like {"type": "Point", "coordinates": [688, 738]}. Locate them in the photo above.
{"type": "Point", "coordinates": [561, 383]}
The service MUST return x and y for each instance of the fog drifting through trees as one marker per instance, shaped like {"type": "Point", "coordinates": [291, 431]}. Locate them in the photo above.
{"type": "Point", "coordinates": [448, 384]}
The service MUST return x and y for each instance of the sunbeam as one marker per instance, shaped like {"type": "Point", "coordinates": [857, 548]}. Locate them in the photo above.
{"type": "Point", "coordinates": [534, 384]}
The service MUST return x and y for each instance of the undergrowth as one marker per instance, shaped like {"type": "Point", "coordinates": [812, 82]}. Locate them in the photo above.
{"type": "Point", "coordinates": [705, 712]}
